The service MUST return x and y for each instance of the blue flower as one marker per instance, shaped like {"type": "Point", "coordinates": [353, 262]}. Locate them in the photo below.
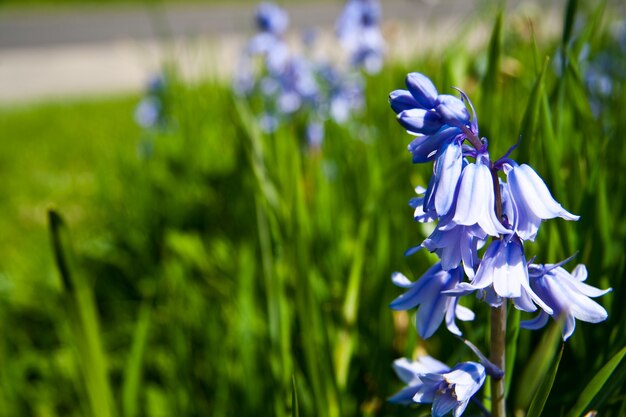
{"type": "Point", "coordinates": [426, 148]}
{"type": "Point", "coordinates": [449, 390]}
{"type": "Point", "coordinates": [409, 372]}
{"type": "Point", "coordinates": [358, 31]}
{"type": "Point", "coordinates": [456, 245]}
{"type": "Point", "coordinates": [475, 202]}
{"type": "Point", "coordinates": [427, 293]}
{"type": "Point", "coordinates": [441, 192]}
{"type": "Point", "coordinates": [531, 202]}
{"type": "Point", "coordinates": [452, 110]}
{"type": "Point", "coordinates": [503, 269]}
{"type": "Point", "coordinates": [271, 18]}
{"type": "Point", "coordinates": [422, 90]}
{"type": "Point", "coordinates": [567, 295]}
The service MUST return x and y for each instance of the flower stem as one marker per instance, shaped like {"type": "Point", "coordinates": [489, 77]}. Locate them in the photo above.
{"type": "Point", "coordinates": [498, 348]}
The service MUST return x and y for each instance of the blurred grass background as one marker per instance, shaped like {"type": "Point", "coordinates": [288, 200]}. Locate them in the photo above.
{"type": "Point", "coordinates": [228, 272]}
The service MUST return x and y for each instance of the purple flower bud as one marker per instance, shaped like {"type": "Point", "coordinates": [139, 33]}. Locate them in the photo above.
{"type": "Point", "coordinates": [422, 89]}
{"type": "Point", "coordinates": [452, 110]}
{"type": "Point", "coordinates": [401, 100]}
{"type": "Point", "coordinates": [421, 121]}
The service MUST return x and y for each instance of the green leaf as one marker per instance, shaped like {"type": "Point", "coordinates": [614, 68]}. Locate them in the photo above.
{"type": "Point", "coordinates": [595, 385]}
{"type": "Point", "coordinates": [537, 366]}
{"type": "Point", "coordinates": [531, 114]}
{"type": "Point", "coordinates": [570, 14]}
{"type": "Point", "coordinates": [295, 409]}
{"type": "Point", "coordinates": [541, 395]}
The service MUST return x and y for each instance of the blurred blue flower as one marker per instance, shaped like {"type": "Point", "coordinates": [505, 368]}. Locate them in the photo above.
{"type": "Point", "coordinates": [567, 296]}
{"type": "Point", "coordinates": [271, 18]}
{"type": "Point", "coordinates": [433, 306]}
{"type": "Point", "coordinates": [449, 390]}
{"type": "Point", "coordinates": [358, 31]}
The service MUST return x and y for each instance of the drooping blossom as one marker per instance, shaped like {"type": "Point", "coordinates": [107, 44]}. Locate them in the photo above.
{"type": "Point", "coordinates": [449, 390]}
{"type": "Point", "coordinates": [567, 295]}
{"type": "Point", "coordinates": [433, 305]}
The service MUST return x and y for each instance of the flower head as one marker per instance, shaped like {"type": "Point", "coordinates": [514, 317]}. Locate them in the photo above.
{"type": "Point", "coordinates": [531, 202]}
{"type": "Point", "coordinates": [503, 269]}
{"type": "Point", "coordinates": [449, 390]}
{"type": "Point", "coordinates": [434, 306]}
{"type": "Point", "coordinates": [409, 372]}
{"type": "Point", "coordinates": [567, 296]}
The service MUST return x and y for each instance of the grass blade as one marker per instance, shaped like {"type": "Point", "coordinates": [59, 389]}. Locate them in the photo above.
{"type": "Point", "coordinates": [540, 397]}
{"type": "Point", "coordinates": [595, 385]}
{"type": "Point", "coordinates": [84, 323]}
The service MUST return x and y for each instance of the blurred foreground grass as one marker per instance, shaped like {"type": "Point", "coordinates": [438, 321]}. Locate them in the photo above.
{"type": "Point", "coordinates": [222, 268]}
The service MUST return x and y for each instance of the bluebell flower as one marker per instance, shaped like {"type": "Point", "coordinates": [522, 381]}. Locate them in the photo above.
{"type": "Point", "coordinates": [422, 90]}
{"type": "Point", "coordinates": [420, 121]}
{"type": "Point", "coordinates": [531, 201]}
{"type": "Point", "coordinates": [475, 202]}
{"type": "Point", "coordinates": [426, 148]}
{"type": "Point", "coordinates": [441, 191]}
{"type": "Point", "coordinates": [567, 295]}
{"type": "Point", "coordinates": [456, 245]}
{"type": "Point", "coordinates": [448, 390]}
{"type": "Point", "coordinates": [433, 306]}
{"type": "Point", "coordinates": [503, 269]}
{"type": "Point", "coordinates": [452, 110]}
{"type": "Point", "coordinates": [271, 18]}
{"type": "Point", "coordinates": [358, 31]}
{"type": "Point", "coordinates": [148, 112]}
{"type": "Point", "coordinates": [409, 372]}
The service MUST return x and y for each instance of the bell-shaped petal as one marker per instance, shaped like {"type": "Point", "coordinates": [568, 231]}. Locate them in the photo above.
{"type": "Point", "coordinates": [452, 110]}
{"type": "Point", "coordinates": [449, 390]}
{"type": "Point", "coordinates": [401, 100]}
{"type": "Point", "coordinates": [422, 89]}
{"type": "Point", "coordinates": [409, 372]}
{"type": "Point", "coordinates": [503, 267]}
{"type": "Point", "coordinates": [418, 204]}
{"type": "Point", "coordinates": [475, 203]}
{"type": "Point", "coordinates": [455, 245]}
{"type": "Point", "coordinates": [426, 294]}
{"type": "Point", "coordinates": [532, 202]}
{"type": "Point", "coordinates": [426, 148]}
{"type": "Point", "coordinates": [447, 169]}
{"type": "Point", "coordinates": [566, 295]}
{"type": "Point", "coordinates": [420, 121]}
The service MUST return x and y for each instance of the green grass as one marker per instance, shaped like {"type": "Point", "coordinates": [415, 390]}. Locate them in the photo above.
{"type": "Point", "coordinates": [229, 268]}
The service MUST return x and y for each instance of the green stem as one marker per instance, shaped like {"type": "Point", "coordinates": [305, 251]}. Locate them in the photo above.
{"type": "Point", "coordinates": [498, 348]}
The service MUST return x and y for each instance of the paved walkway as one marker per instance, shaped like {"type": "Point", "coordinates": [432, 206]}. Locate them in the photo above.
{"type": "Point", "coordinates": [80, 51]}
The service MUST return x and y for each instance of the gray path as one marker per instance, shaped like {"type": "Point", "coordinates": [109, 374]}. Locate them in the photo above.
{"type": "Point", "coordinates": [64, 52]}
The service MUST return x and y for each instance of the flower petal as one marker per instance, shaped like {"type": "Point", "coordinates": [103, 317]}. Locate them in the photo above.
{"type": "Point", "coordinates": [422, 89]}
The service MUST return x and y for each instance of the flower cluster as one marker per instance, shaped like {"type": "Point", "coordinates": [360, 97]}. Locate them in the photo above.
{"type": "Point", "coordinates": [358, 30]}
{"type": "Point", "coordinates": [478, 202]}
{"type": "Point", "coordinates": [290, 83]}
{"type": "Point", "coordinates": [153, 113]}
